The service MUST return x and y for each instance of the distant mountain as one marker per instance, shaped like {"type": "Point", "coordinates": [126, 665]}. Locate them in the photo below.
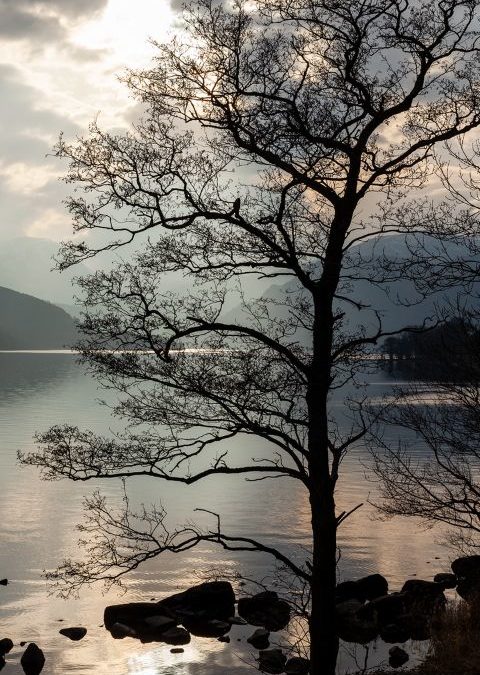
{"type": "Point", "coordinates": [29, 323]}
{"type": "Point", "coordinates": [26, 265]}
{"type": "Point", "coordinates": [398, 304]}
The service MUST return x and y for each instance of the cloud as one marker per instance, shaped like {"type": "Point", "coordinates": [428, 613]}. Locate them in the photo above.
{"type": "Point", "coordinates": [44, 19]}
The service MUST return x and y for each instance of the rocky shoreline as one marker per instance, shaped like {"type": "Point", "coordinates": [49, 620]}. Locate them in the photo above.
{"type": "Point", "coordinates": [365, 612]}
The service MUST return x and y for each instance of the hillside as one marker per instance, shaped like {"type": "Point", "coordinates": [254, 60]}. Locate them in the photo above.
{"type": "Point", "coordinates": [29, 323]}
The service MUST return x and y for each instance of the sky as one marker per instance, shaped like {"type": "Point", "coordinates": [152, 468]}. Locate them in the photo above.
{"type": "Point", "coordinates": [60, 61]}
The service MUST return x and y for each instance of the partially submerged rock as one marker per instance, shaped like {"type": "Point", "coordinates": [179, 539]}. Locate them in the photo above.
{"type": "Point", "coordinates": [446, 580]}
{"type": "Point", "coordinates": [3, 582]}
{"type": "Point", "coordinates": [266, 610]}
{"type": "Point", "coordinates": [260, 639]}
{"type": "Point", "coordinates": [367, 588]}
{"type": "Point", "coordinates": [397, 657]}
{"type": "Point", "coordinates": [75, 633]}
{"type": "Point", "coordinates": [272, 661]}
{"type": "Point", "coordinates": [297, 666]}
{"type": "Point", "coordinates": [5, 646]}
{"type": "Point", "coordinates": [33, 660]}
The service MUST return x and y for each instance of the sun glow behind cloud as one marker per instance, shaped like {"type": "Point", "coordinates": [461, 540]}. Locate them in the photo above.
{"type": "Point", "coordinates": [61, 82]}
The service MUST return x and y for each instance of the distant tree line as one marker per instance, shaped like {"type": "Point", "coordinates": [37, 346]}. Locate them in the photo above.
{"type": "Point", "coordinates": [446, 352]}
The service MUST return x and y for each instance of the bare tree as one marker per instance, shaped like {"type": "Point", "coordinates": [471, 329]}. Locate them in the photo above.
{"type": "Point", "coordinates": [325, 103]}
{"type": "Point", "coordinates": [434, 473]}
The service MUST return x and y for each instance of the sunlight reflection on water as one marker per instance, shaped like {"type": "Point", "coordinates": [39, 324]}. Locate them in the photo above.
{"type": "Point", "coordinates": [37, 529]}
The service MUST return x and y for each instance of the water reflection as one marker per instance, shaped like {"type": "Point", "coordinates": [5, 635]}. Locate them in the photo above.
{"type": "Point", "coordinates": [37, 530]}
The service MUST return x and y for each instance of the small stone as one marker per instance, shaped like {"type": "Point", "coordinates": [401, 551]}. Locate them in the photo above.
{"type": "Point", "coordinates": [75, 633]}
{"type": "Point", "coordinates": [32, 660]}
{"type": "Point", "coordinates": [398, 657]}
{"type": "Point", "coordinates": [177, 650]}
{"type": "Point", "coordinates": [23, 643]}
{"type": "Point", "coordinates": [224, 638]}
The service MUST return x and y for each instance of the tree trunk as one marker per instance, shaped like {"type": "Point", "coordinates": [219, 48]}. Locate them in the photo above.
{"type": "Point", "coordinates": [323, 638]}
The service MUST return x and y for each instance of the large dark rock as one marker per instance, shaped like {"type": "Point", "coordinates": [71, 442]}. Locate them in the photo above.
{"type": "Point", "coordinates": [386, 609]}
{"type": "Point", "coordinates": [423, 597]}
{"type": "Point", "coordinates": [367, 588]}
{"type": "Point", "coordinates": [352, 626]}
{"type": "Point", "coordinates": [467, 566]}
{"type": "Point", "coordinates": [75, 633]}
{"type": "Point", "coordinates": [3, 582]}
{"type": "Point", "coordinates": [445, 580]}
{"type": "Point", "coordinates": [397, 657]}
{"type": "Point", "coordinates": [176, 636]}
{"type": "Point", "coordinates": [212, 628]}
{"type": "Point", "coordinates": [265, 610]}
{"type": "Point", "coordinates": [260, 639]}
{"type": "Point", "coordinates": [297, 666]}
{"type": "Point", "coordinates": [272, 661]}
{"type": "Point", "coordinates": [210, 600]}
{"type": "Point", "coordinates": [32, 660]}
{"type": "Point", "coordinates": [396, 632]}
{"type": "Point", "coordinates": [469, 589]}
{"type": "Point", "coordinates": [5, 646]}
{"type": "Point", "coordinates": [2, 663]}
{"type": "Point", "coordinates": [133, 614]}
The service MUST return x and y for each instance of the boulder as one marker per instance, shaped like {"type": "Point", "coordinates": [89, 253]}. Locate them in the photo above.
{"type": "Point", "coordinates": [272, 661]}
{"type": "Point", "coordinates": [469, 589]}
{"type": "Point", "coordinates": [423, 597]}
{"type": "Point", "coordinates": [351, 626]}
{"type": "Point", "coordinates": [3, 582]}
{"type": "Point", "coordinates": [385, 609]}
{"type": "Point", "coordinates": [397, 657]}
{"type": "Point", "coordinates": [260, 639]}
{"type": "Point", "coordinates": [366, 588]}
{"type": "Point", "coordinates": [2, 663]}
{"type": "Point", "coordinates": [134, 614]}
{"type": "Point", "coordinates": [5, 646]}
{"type": "Point", "coordinates": [75, 633]}
{"type": "Point", "coordinates": [373, 586]}
{"type": "Point", "coordinates": [210, 600]}
{"type": "Point", "coordinates": [467, 566]}
{"type": "Point", "coordinates": [176, 636]}
{"type": "Point", "coordinates": [207, 628]}
{"type": "Point", "coordinates": [32, 660]}
{"type": "Point", "coordinates": [445, 580]}
{"type": "Point", "coordinates": [120, 630]}
{"type": "Point", "coordinates": [160, 622]}
{"type": "Point", "coordinates": [346, 590]}
{"type": "Point", "coordinates": [265, 610]}
{"type": "Point", "coordinates": [396, 632]}
{"type": "Point", "coordinates": [297, 666]}
{"type": "Point", "coordinates": [224, 638]}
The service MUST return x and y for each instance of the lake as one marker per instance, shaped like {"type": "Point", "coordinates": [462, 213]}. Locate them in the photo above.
{"type": "Point", "coordinates": [37, 530]}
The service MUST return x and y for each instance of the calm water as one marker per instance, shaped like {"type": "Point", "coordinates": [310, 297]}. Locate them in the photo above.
{"type": "Point", "coordinates": [37, 530]}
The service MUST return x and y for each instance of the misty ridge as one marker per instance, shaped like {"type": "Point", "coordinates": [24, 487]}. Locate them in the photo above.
{"type": "Point", "coordinates": [38, 308]}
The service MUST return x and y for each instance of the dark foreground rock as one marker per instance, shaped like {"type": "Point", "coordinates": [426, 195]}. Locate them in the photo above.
{"type": "Point", "coordinates": [272, 661]}
{"type": "Point", "coordinates": [5, 646]}
{"type": "Point", "coordinates": [210, 600]}
{"type": "Point", "coordinates": [397, 657]}
{"type": "Point", "coordinates": [75, 633]}
{"type": "Point", "coordinates": [297, 666]}
{"type": "Point", "coordinates": [446, 580]}
{"type": "Point", "coordinates": [467, 566]}
{"type": "Point", "coordinates": [32, 660]}
{"type": "Point", "coordinates": [3, 582]}
{"type": "Point", "coordinates": [260, 639]}
{"type": "Point", "coordinates": [266, 610]}
{"type": "Point", "coordinates": [367, 588]}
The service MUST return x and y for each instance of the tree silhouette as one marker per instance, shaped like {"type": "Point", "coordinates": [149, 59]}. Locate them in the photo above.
{"type": "Point", "coordinates": [266, 126]}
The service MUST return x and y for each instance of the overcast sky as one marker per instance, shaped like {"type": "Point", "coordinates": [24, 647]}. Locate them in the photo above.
{"type": "Point", "coordinates": [59, 62]}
